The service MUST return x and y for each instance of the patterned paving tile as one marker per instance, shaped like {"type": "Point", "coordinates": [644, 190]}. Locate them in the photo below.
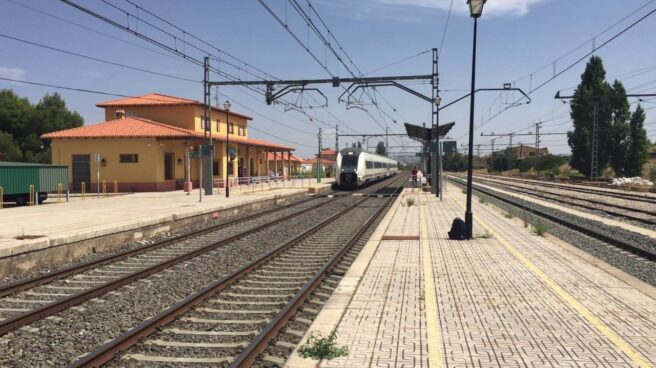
{"type": "Point", "coordinates": [493, 310]}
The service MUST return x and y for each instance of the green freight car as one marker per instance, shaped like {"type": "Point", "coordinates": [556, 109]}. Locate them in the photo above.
{"type": "Point", "coordinates": [16, 178]}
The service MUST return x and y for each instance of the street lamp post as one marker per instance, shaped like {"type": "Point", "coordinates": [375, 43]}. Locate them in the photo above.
{"type": "Point", "coordinates": [475, 10]}
{"type": "Point", "coordinates": [226, 107]}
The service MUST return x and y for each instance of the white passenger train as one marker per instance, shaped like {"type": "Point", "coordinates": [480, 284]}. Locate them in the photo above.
{"type": "Point", "coordinates": [356, 168]}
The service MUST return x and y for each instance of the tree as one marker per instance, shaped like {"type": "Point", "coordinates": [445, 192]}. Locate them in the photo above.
{"type": "Point", "coordinates": [592, 90]}
{"type": "Point", "coordinates": [25, 123]}
{"type": "Point", "coordinates": [16, 114]}
{"type": "Point", "coordinates": [380, 148]}
{"type": "Point", "coordinates": [619, 137]}
{"type": "Point", "coordinates": [638, 144]}
{"type": "Point", "coordinates": [9, 150]}
{"type": "Point", "coordinates": [498, 161]}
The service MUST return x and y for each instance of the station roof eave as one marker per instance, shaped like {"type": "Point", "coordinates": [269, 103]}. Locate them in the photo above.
{"type": "Point", "coordinates": [135, 127]}
{"type": "Point", "coordinates": [424, 134]}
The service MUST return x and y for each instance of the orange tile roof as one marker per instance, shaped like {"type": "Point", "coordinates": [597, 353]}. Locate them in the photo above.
{"type": "Point", "coordinates": [313, 161]}
{"type": "Point", "coordinates": [157, 99]}
{"type": "Point", "coordinates": [129, 127]}
{"type": "Point", "coordinates": [277, 156]}
{"type": "Point", "coordinates": [134, 127]}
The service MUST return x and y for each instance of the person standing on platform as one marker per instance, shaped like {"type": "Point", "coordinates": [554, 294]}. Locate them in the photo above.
{"type": "Point", "coordinates": [414, 177]}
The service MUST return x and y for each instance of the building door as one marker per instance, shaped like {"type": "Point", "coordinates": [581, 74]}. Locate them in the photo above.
{"type": "Point", "coordinates": [81, 172]}
{"type": "Point", "coordinates": [251, 166]}
{"type": "Point", "coordinates": [168, 165]}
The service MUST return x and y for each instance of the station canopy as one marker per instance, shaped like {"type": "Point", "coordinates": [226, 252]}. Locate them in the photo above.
{"type": "Point", "coordinates": [424, 134]}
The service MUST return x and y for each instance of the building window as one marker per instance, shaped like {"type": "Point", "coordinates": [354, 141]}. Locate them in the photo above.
{"type": "Point", "coordinates": [241, 131]}
{"type": "Point", "coordinates": [128, 158]}
{"type": "Point", "coordinates": [231, 128]}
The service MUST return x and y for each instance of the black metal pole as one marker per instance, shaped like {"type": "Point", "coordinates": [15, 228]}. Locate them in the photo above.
{"type": "Point", "coordinates": [469, 217]}
{"type": "Point", "coordinates": [227, 183]}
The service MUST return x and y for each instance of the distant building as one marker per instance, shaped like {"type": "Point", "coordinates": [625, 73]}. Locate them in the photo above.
{"type": "Point", "coordinates": [144, 143]}
{"type": "Point", "coordinates": [328, 166]}
{"type": "Point", "coordinates": [523, 151]}
{"type": "Point", "coordinates": [277, 161]}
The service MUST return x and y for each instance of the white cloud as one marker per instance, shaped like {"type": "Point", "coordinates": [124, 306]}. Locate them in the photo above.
{"type": "Point", "coordinates": [12, 73]}
{"type": "Point", "coordinates": [493, 8]}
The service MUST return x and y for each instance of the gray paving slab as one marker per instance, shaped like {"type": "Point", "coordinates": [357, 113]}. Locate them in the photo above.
{"type": "Point", "coordinates": [506, 298]}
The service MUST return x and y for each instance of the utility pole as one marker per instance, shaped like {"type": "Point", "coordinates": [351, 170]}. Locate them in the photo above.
{"type": "Point", "coordinates": [386, 140]}
{"type": "Point", "coordinates": [594, 161]}
{"type": "Point", "coordinates": [510, 137]}
{"type": "Point", "coordinates": [435, 141]}
{"type": "Point", "coordinates": [337, 138]}
{"type": "Point", "coordinates": [208, 154]}
{"type": "Point", "coordinates": [537, 148]}
{"type": "Point", "coordinates": [319, 159]}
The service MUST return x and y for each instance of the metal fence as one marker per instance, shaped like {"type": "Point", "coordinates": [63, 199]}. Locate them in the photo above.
{"type": "Point", "coordinates": [261, 183]}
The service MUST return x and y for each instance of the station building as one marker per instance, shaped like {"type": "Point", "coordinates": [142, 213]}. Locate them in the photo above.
{"type": "Point", "coordinates": [148, 143]}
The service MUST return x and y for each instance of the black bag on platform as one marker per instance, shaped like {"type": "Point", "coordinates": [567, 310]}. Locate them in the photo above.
{"type": "Point", "coordinates": [457, 229]}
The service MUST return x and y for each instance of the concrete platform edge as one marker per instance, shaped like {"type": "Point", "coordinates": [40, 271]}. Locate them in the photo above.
{"type": "Point", "coordinates": [332, 312]}
{"type": "Point", "coordinates": [51, 250]}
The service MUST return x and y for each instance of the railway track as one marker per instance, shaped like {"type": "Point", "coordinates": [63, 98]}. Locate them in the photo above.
{"type": "Point", "coordinates": [234, 319]}
{"type": "Point", "coordinates": [620, 211]}
{"type": "Point", "coordinates": [583, 189]}
{"type": "Point", "coordinates": [31, 299]}
{"type": "Point", "coordinates": [614, 241]}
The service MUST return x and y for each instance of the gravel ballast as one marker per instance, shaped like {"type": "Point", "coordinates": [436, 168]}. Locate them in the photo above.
{"type": "Point", "coordinates": [60, 339]}
{"type": "Point", "coordinates": [643, 270]}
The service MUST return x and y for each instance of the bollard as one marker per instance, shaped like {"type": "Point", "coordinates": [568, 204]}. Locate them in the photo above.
{"type": "Point", "coordinates": [31, 195]}
{"type": "Point", "coordinates": [60, 189]}
{"type": "Point", "coordinates": [2, 196]}
{"type": "Point", "coordinates": [115, 187]}
{"type": "Point", "coordinates": [104, 186]}
{"type": "Point", "coordinates": [84, 191]}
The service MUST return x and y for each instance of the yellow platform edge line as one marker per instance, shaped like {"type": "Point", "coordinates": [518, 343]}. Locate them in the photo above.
{"type": "Point", "coordinates": [608, 332]}
{"type": "Point", "coordinates": [433, 327]}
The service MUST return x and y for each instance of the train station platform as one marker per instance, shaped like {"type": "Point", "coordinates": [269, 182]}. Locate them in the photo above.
{"type": "Point", "coordinates": [508, 297]}
{"type": "Point", "coordinates": [38, 236]}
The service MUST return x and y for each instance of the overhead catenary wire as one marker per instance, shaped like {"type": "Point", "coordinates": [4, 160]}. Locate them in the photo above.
{"type": "Point", "coordinates": [584, 57]}
{"type": "Point", "coordinates": [114, 94]}
{"type": "Point", "coordinates": [141, 70]}
{"type": "Point", "coordinates": [174, 50]}
{"type": "Point", "coordinates": [328, 45]}
{"type": "Point", "coordinates": [104, 61]}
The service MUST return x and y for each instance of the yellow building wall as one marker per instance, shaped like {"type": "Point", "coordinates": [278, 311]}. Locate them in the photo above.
{"type": "Point", "coordinates": [180, 116]}
{"type": "Point", "coordinates": [145, 175]}
{"type": "Point", "coordinates": [217, 117]}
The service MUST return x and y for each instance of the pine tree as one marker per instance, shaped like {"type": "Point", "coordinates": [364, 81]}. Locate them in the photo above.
{"type": "Point", "coordinates": [380, 148]}
{"type": "Point", "coordinates": [638, 143]}
{"type": "Point", "coordinates": [592, 90]}
{"type": "Point", "coordinates": [619, 137]}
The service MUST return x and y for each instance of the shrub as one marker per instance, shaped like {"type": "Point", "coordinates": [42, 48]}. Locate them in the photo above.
{"type": "Point", "coordinates": [540, 228]}
{"type": "Point", "coordinates": [318, 347]}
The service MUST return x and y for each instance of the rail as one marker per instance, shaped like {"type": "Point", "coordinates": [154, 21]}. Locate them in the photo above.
{"type": "Point", "coordinates": [62, 304]}
{"type": "Point", "coordinates": [589, 231]}
{"type": "Point", "coordinates": [108, 350]}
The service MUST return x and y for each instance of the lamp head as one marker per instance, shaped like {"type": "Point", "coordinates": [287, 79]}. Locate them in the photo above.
{"type": "Point", "coordinates": [476, 7]}
{"type": "Point", "coordinates": [227, 105]}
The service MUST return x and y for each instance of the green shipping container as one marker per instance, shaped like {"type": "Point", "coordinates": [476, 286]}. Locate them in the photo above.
{"type": "Point", "coordinates": [16, 177]}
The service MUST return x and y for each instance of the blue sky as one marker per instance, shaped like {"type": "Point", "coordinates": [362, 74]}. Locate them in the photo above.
{"type": "Point", "coordinates": [519, 41]}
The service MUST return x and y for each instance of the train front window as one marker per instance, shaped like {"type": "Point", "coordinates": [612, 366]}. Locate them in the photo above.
{"type": "Point", "coordinates": [350, 162]}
